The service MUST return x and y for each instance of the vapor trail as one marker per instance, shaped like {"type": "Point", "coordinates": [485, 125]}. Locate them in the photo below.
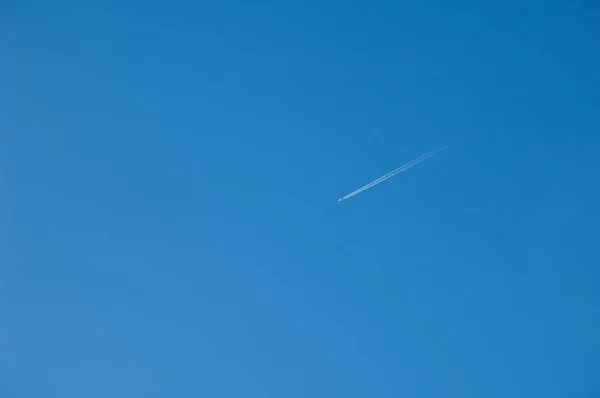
{"type": "Point", "coordinates": [392, 173]}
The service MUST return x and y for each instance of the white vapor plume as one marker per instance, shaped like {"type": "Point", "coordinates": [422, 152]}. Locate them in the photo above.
{"type": "Point", "coordinates": [392, 173]}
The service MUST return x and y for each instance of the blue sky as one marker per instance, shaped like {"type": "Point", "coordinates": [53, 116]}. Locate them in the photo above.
{"type": "Point", "coordinates": [170, 176]}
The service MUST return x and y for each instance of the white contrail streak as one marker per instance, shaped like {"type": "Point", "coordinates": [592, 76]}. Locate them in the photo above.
{"type": "Point", "coordinates": [392, 173]}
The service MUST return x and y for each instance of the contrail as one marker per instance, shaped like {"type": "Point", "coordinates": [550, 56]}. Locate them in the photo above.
{"type": "Point", "coordinates": [392, 173]}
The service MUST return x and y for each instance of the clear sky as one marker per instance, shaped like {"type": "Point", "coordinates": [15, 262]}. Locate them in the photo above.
{"type": "Point", "coordinates": [170, 174]}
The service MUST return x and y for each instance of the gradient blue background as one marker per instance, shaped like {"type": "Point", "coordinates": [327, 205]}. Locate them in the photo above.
{"type": "Point", "coordinates": [169, 179]}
